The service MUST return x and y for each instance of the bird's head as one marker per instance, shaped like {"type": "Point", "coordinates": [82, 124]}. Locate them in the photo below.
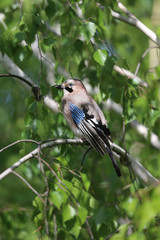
{"type": "Point", "coordinates": [71, 85]}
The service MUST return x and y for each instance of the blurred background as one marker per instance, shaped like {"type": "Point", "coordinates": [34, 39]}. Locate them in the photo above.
{"type": "Point", "coordinates": [51, 41]}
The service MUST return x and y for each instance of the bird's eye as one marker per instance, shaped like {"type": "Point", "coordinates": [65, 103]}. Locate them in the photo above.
{"type": "Point", "coordinates": [71, 85]}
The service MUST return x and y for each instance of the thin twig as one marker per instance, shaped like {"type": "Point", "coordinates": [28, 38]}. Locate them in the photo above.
{"type": "Point", "coordinates": [47, 191]}
{"type": "Point", "coordinates": [132, 175]}
{"type": "Point", "coordinates": [89, 230]}
{"type": "Point", "coordinates": [141, 129]}
{"type": "Point", "coordinates": [41, 56]}
{"type": "Point", "coordinates": [129, 75]}
{"type": "Point", "coordinates": [55, 227]}
{"type": "Point", "coordinates": [34, 152]}
{"type": "Point", "coordinates": [132, 20]}
{"type": "Point", "coordinates": [34, 88]}
{"type": "Point", "coordinates": [14, 70]}
{"type": "Point", "coordinates": [18, 141]}
{"type": "Point", "coordinates": [143, 56]}
{"type": "Point", "coordinates": [28, 184]}
{"type": "Point", "coordinates": [125, 10]}
{"type": "Point", "coordinates": [60, 183]}
{"type": "Point", "coordinates": [19, 77]}
{"type": "Point", "coordinates": [140, 172]}
{"type": "Point", "coordinates": [111, 235]}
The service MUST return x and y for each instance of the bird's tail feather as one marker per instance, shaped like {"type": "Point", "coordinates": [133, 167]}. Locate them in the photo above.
{"type": "Point", "coordinates": [106, 139]}
{"type": "Point", "coordinates": [99, 142]}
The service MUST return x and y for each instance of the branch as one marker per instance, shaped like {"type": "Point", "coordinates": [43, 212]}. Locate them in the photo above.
{"type": "Point", "coordinates": [129, 75]}
{"type": "Point", "coordinates": [141, 129]}
{"type": "Point", "coordinates": [120, 70]}
{"type": "Point", "coordinates": [132, 20]}
{"type": "Point", "coordinates": [34, 152]}
{"type": "Point", "coordinates": [143, 56]}
{"type": "Point", "coordinates": [18, 141]}
{"type": "Point", "coordinates": [30, 187]}
{"type": "Point", "coordinates": [142, 174]}
{"type": "Point", "coordinates": [89, 230]}
{"type": "Point", "coordinates": [13, 69]}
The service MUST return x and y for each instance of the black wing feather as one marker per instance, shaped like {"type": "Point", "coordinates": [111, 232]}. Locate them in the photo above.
{"type": "Point", "coordinates": [95, 133]}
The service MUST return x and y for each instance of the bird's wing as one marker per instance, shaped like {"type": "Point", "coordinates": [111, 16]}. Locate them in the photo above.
{"type": "Point", "coordinates": [92, 132]}
{"type": "Point", "coordinates": [86, 128]}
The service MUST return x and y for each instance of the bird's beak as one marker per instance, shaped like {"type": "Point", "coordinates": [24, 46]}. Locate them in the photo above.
{"type": "Point", "coordinates": [60, 86]}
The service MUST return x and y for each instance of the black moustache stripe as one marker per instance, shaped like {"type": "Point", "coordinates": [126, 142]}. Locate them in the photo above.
{"type": "Point", "coordinates": [69, 89]}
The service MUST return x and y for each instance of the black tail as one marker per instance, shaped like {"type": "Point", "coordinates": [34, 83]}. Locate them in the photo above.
{"type": "Point", "coordinates": [115, 164]}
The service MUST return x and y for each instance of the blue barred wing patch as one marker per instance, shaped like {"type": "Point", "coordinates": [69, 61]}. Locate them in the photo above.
{"type": "Point", "coordinates": [77, 114]}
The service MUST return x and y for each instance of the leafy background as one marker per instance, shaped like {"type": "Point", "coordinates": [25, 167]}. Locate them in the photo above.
{"type": "Point", "coordinates": [95, 197]}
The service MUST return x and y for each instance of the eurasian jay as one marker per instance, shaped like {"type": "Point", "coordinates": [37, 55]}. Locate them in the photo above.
{"type": "Point", "coordinates": [85, 118]}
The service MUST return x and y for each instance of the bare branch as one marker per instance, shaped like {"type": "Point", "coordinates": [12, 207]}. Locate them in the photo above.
{"type": "Point", "coordinates": [47, 191]}
{"type": "Point", "coordinates": [19, 77]}
{"type": "Point", "coordinates": [132, 20]}
{"type": "Point", "coordinates": [13, 69]}
{"type": "Point", "coordinates": [18, 141]}
{"type": "Point", "coordinates": [35, 89]}
{"type": "Point", "coordinates": [144, 131]}
{"type": "Point", "coordinates": [141, 129]}
{"type": "Point", "coordinates": [125, 10]}
{"type": "Point", "coordinates": [129, 75]}
{"type": "Point", "coordinates": [89, 230]}
{"type": "Point", "coordinates": [61, 184]}
{"type": "Point", "coordinates": [28, 184]}
{"type": "Point", "coordinates": [55, 226]}
{"type": "Point", "coordinates": [142, 174]}
{"type": "Point", "coordinates": [143, 56]}
{"type": "Point", "coordinates": [34, 152]}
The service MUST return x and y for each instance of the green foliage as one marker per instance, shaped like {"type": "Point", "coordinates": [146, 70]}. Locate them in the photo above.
{"type": "Point", "coordinates": [84, 41]}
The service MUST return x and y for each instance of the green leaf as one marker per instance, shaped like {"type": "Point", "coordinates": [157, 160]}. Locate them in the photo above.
{"type": "Point", "coordinates": [93, 203]}
{"type": "Point", "coordinates": [101, 215]}
{"type": "Point", "coordinates": [54, 92]}
{"type": "Point", "coordinates": [38, 219]}
{"type": "Point", "coordinates": [121, 235]}
{"type": "Point", "coordinates": [154, 117]}
{"type": "Point", "coordinates": [76, 229]}
{"type": "Point", "coordinates": [35, 125]}
{"type": "Point", "coordinates": [32, 106]}
{"type": "Point", "coordinates": [77, 187]}
{"type": "Point", "coordinates": [130, 206]}
{"type": "Point", "coordinates": [37, 203]}
{"type": "Point", "coordinates": [82, 213]}
{"type": "Point", "coordinates": [88, 30]}
{"type": "Point", "coordinates": [84, 198]}
{"type": "Point", "coordinates": [100, 56]}
{"type": "Point", "coordinates": [56, 198]}
{"type": "Point", "coordinates": [28, 119]}
{"type": "Point", "coordinates": [49, 41]}
{"type": "Point", "coordinates": [26, 134]}
{"type": "Point", "coordinates": [19, 37]}
{"type": "Point", "coordinates": [85, 181]}
{"type": "Point", "coordinates": [54, 51]}
{"type": "Point", "coordinates": [135, 81]}
{"type": "Point", "coordinates": [142, 108]}
{"type": "Point", "coordinates": [68, 213]}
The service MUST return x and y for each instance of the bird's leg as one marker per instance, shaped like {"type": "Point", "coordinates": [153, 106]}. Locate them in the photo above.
{"type": "Point", "coordinates": [84, 158]}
